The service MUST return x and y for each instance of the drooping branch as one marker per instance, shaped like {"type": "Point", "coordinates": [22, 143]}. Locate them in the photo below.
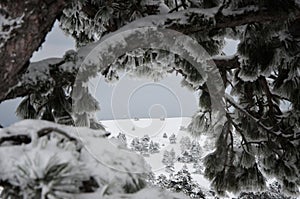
{"type": "Point", "coordinates": [52, 73]}
{"type": "Point", "coordinates": [55, 68]}
{"type": "Point", "coordinates": [37, 21]}
{"type": "Point", "coordinates": [278, 133]}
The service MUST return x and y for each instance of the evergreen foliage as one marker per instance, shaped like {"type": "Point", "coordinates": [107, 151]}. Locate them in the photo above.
{"type": "Point", "coordinates": [181, 181]}
{"type": "Point", "coordinates": [261, 136]}
{"type": "Point", "coordinates": [169, 158]}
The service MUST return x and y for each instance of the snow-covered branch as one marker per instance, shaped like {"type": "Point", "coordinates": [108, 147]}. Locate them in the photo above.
{"type": "Point", "coordinates": [35, 21]}
{"type": "Point", "coordinates": [44, 75]}
{"type": "Point", "coordinates": [258, 121]}
{"type": "Point", "coordinates": [48, 73]}
{"type": "Point", "coordinates": [209, 19]}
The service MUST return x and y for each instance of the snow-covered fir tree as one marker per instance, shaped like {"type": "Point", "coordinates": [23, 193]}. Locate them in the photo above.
{"type": "Point", "coordinates": [122, 138]}
{"type": "Point", "coordinates": [198, 167]}
{"type": "Point", "coordinates": [172, 139]}
{"type": "Point", "coordinates": [136, 144]}
{"type": "Point", "coordinates": [169, 160]}
{"type": "Point", "coordinates": [182, 181]}
{"type": "Point", "coordinates": [185, 143]}
{"type": "Point", "coordinates": [196, 151]}
{"type": "Point", "coordinates": [154, 147]}
{"type": "Point", "coordinates": [145, 143]}
{"type": "Point", "coordinates": [165, 135]}
{"type": "Point", "coordinates": [185, 157]}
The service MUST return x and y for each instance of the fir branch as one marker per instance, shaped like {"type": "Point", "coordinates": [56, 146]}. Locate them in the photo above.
{"type": "Point", "coordinates": [222, 20]}
{"type": "Point", "coordinates": [258, 121]}
{"type": "Point", "coordinates": [269, 95]}
{"type": "Point", "coordinates": [237, 128]}
{"type": "Point", "coordinates": [24, 88]}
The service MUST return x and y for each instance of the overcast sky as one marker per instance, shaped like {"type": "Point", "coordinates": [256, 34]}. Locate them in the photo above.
{"type": "Point", "coordinates": [127, 98]}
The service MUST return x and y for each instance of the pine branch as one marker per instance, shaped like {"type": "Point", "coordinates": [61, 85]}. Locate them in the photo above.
{"type": "Point", "coordinates": [263, 82]}
{"type": "Point", "coordinates": [258, 121]}
{"type": "Point", "coordinates": [57, 71]}
{"type": "Point", "coordinates": [224, 18]}
{"type": "Point", "coordinates": [59, 77]}
{"type": "Point", "coordinates": [226, 62]}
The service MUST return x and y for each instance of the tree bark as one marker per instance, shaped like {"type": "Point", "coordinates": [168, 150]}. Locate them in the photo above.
{"type": "Point", "coordinates": [37, 18]}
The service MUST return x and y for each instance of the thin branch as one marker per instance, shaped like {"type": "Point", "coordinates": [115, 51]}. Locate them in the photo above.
{"type": "Point", "coordinates": [16, 139]}
{"type": "Point", "coordinates": [226, 62]}
{"type": "Point", "coordinates": [176, 8]}
{"type": "Point", "coordinates": [257, 120]}
{"type": "Point", "coordinates": [222, 19]}
{"type": "Point", "coordinates": [45, 131]}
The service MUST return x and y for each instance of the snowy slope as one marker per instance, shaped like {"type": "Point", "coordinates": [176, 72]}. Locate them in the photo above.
{"type": "Point", "coordinates": [155, 128]}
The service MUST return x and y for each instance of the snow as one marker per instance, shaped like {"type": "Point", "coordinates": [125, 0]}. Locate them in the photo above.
{"type": "Point", "coordinates": [112, 166]}
{"type": "Point", "coordinates": [222, 57]}
{"type": "Point", "coordinates": [155, 128]}
{"type": "Point", "coordinates": [151, 193]}
{"type": "Point", "coordinates": [250, 8]}
{"type": "Point", "coordinates": [39, 71]}
{"type": "Point", "coordinates": [147, 193]}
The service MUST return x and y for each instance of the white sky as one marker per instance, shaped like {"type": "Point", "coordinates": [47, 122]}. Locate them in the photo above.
{"type": "Point", "coordinates": [129, 97]}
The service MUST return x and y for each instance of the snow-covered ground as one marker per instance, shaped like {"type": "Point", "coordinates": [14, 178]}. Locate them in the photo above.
{"type": "Point", "coordinates": [155, 128]}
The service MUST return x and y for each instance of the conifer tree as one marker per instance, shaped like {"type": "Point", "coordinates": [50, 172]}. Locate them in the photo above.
{"type": "Point", "coordinates": [262, 79]}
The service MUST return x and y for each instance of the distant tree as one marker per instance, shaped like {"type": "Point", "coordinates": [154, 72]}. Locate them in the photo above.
{"type": "Point", "coordinates": [173, 154]}
{"type": "Point", "coordinates": [136, 144]}
{"type": "Point", "coordinates": [198, 167]}
{"type": "Point", "coordinates": [196, 151]}
{"type": "Point", "coordinates": [122, 138]}
{"type": "Point", "coordinates": [162, 181]}
{"type": "Point", "coordinates": [145, 138]}
{"type": "Point", "coordinates": [172, 139]}
{"type": "Point", "coordinates": [185, 157]}
{"type": "Point", "coordinates": [154, 147]}
{"type": "Point", "coordinates": [185, 143]}
{"type": "Point", "coordinates": [165, 135]}
{"type": "Point", "coordinates": [182, 181]}
{"type": "Point", "coordinates": [169, 160]}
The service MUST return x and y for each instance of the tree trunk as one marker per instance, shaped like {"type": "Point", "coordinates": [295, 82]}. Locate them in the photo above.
{"type": "Point", "coordinates": [25, 25]}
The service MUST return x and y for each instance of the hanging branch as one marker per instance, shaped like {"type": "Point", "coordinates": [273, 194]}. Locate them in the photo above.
{"type": "Point", "coordinates": [259, 123]}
